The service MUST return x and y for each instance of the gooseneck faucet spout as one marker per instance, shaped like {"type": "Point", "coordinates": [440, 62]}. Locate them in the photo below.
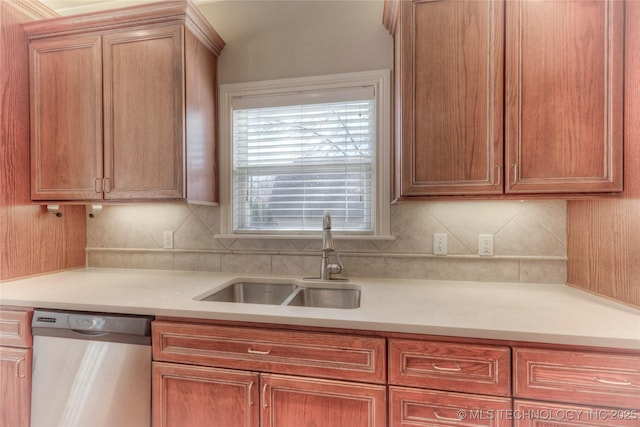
{"type": "Point", "coordinates": [326, 268]}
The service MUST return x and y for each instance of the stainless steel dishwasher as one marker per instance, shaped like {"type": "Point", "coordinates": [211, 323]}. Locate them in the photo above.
{"type": "Point", "coordinates": [91, 370]}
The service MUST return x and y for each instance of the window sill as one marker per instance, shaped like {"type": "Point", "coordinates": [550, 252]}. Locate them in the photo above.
{"type": "Point", "coordinates": [311, 236]}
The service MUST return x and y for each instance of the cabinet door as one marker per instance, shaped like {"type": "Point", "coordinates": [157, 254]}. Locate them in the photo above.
{"type": "Point", "coordinates": [199, 396]}
{"type": "Point", "coordinates": [416, 407]}
{"type": "Point", "coordinates": [564, 64]}
{"type": "Point", "coordinates": [15, 393]}
{"type": "Point", "coordinates": [144, 108]}
{"type": "Point", "coordinates": [451, 69]}
{"type": "Point", "coordinates": [294, 402]}
{"type": "Point", "coordinates": [547, 414]}
{"type": "Point", "coordinates": [66, 118]}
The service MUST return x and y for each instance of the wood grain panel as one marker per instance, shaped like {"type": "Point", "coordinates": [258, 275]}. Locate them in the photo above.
{"type": "Point", "coordinates": [564, 72]}
{"type": "Point", "coordinates": [452, 136]}
{"type": "Point", "coordinates": [577, 377]}
{"type": "Point", "coordinates": [201, 84]}
{"type": "Point", "coordinates": [447, 366]}
{"type": "Point", "coordinates": [415, 407]}
{"type": "Point", "coordinates": [66, 118]}
{"type": "Point", "coordinates": [603, 236]}
{"type": "Point", "coordinates": [544, 414]}
{"type": "Point", "coordinates": [312, 354]}
{"type": "Point", "coordinates": [198, 396]}
{"type": "Point", "coordinates": [295, 401]}
{"type": "Point", "coordinates": [32, 240]}
{"type": "Point", "coordinates": [15, 327]}
{"type": "Point", "coordinates": [143, 106]}
{"type": "Point", "coordinates": [15, 393]}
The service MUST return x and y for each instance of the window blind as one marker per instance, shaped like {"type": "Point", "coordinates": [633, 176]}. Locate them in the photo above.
{"type": "Point", "coordinates": [293, 162]}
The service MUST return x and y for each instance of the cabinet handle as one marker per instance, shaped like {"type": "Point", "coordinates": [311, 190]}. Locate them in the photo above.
{"type": "Point", "coordinates": [97, 185]}
{"type": "Point", "coordinates": [499, 173]}
{"type": "Point", "coordinates": [107, 185]}
{"type": "Point", "coordinates": [515, 173]}
{"type": "Point", "coordinates": [18, 363]}
{"type": "Point", "coordinates": [457, 368]}
{"type": "Point", "coordinates": [440, 417]}
{"type": "Point", "coordinates": [252, 351]}
{"type": "Point", "coordinates": [611, 382]}
{"type": "Point", "coordinates": [265, 404]}
{"type": "Point", "coordinates": [249, 392]}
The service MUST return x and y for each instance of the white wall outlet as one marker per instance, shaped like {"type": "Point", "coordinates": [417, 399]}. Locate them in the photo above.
{"type": "Point", "coordinates": [439, 244]}
{"type": "Point", "coordinates": [168, 240]}
{"type": "Point", "coordinates": [485, 245]}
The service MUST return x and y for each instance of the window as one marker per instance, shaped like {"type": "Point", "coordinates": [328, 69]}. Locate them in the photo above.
{"type": "Point", "coordinates": [291, 149]}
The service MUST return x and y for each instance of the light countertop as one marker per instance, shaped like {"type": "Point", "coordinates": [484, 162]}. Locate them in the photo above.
{"type": "Point", "coordinates": [538, 313]}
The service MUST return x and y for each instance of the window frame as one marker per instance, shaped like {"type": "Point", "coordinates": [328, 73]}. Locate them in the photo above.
{"type": "Point", "coordinates": [378, 79]}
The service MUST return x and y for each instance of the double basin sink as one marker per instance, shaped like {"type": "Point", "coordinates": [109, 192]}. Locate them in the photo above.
{"type": "Point", "coordinates": [286, 294]}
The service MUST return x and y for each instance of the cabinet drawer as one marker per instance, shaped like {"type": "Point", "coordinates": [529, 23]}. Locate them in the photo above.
{"type": "Point", "coordinates": [313, 354]}
{"type": "Point", "coordinates": [539, 414]}
{"type": "Point", "coordinates": [413, 407]}
{"type": "Point", "coordinates": [447, 366]}
{"type": "Point", "coordinates": [15, 327]}
{"type": "Point", "coordinates": [578, 377]}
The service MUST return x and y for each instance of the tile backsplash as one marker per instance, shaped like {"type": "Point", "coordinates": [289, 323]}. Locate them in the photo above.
{"type": "Point", "coordinates": [529, 242]}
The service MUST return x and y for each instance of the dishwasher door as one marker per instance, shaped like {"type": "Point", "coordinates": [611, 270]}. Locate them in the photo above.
{"type": "Point", "coordinates": [90, 369]}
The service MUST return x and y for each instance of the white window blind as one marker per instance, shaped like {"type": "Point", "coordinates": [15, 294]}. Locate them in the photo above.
{"type": "Point", "coordinates": [294, 157]}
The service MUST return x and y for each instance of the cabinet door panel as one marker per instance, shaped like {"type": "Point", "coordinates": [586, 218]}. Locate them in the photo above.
{"type": "Point", "coordinates": [295, 402]}
{"type": "Point", "coordinates": [15, 393]}
{"type": "Point", "coordinates": [416, 407]}
{"type": "Point", "coordinates": [66, 118]}
{"type": "Point", "coordinates": [452, 109]}
{"type": "Point", "coordinates": [564, 69]}
{"type": "Point", "coordinates": [143, 104]}
{"type": "Point", "coordinates": [198, 396]}
{"type": "Point", "coordinates": [546, 414]}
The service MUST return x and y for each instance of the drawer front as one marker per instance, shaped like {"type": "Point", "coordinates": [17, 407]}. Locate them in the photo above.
{"type": "Point", "coordinates": [313, 354]}
{"type": "Point", "coordinates": [578, 377]}
{"type": "Point", "coordinates": [446, 366]}
{"type": "Point", "coordinates": [15, 327]}
{"type": "Point", "coordinates": [539, 414]}
{"type": "Point", "coordinates": [414, 407]}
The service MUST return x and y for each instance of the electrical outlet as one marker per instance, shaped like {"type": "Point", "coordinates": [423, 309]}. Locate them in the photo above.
{"type": "Point", "coordinates": [168, 240]}
{"type": "Point", "coordinates": [439, 244]}
{"type": "Point", "coordinates": [485, 245]}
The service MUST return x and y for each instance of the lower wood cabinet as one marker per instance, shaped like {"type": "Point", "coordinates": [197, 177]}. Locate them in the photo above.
{"type": "Point", "coordinates": [417, 407]}
{"type": "Point", "coordinates": [208, 375]}
{"type": "Point", "coordinates": [545, 414]}
{"type": "Point", "coordinates": [15, 367]}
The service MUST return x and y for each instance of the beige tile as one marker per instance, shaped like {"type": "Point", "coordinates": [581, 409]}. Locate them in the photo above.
{"type": "Point", "coordinates": [355, 266]}
{"type": "Point", "coordinates": [193, 234]}
{"type": "Point", "coordinates": [524, 237]}
{"type": "Point", "coordinates": [156, 218]}
{"type": "Point", "coordinates": [151, 260]}
{"type": "Point", "coordinates": [264, 245]}
{"type": "Point", "coordinates": [210, 217]}
{"type": "Point", "coordinates": [484, 270]}
{"type": "Point", "coordinates": [115, 227]}
{"type": "Point", "coordinates": [552, 215]}
{"type": "Point", "coordinates": [196, 261]}
{"type": "Point", "coordinates": [418, 268]}
{"type": "Point", "coordinates": [240, 263]}
{"type": "Point", "coordinates": [107, 259]}
{"type": "Point", "coordinates": [304, 265]}
{"type": "Point", "coordinates": [543, 271]}
{"type": "Point", "coordinates": [466, 220]}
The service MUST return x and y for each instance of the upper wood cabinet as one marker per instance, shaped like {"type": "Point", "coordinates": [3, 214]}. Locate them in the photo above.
{"type": "Point", "coordinates": [550, 123]}
{"type": "Point", "coordinates": [123, 105]}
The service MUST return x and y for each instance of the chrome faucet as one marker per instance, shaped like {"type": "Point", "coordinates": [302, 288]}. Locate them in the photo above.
{"type": "Point", "coordinates": [326, 268]}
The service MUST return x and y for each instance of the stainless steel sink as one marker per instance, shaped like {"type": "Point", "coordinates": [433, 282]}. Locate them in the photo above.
{"type": "Point", "coordinates": [253, 293]}
{"type": "Point", "coordinates": [274, 293]}
{"type": "Point", "coordinates": [326, 298]}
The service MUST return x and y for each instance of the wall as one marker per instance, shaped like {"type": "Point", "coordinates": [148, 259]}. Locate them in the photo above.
{"type": "Point", "coordinates": [33, 241]}
{"type": "Point", "coordinates": [330, 37]}
{"type": "Point", "coordinates": [604, 235]}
